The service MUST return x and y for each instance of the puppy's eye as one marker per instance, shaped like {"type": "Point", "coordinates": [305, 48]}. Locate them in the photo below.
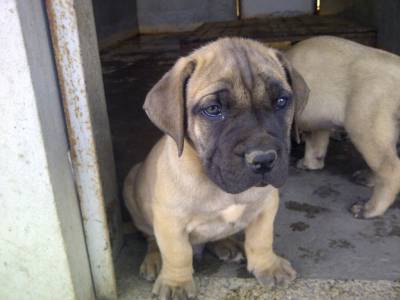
{"type": "Point", "coordinates": [280, 103]}
{"type": "Point", "coordinates": [213, 111]}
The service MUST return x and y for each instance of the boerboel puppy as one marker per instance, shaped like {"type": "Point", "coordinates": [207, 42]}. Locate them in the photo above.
{"type": "Point", "coordinates": [354, 87]}
{"type": "Point", "coordinates": [226, 111]}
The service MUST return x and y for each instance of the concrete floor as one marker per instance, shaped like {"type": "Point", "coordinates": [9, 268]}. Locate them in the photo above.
{"type": "Point", "coordinates": [336, 256]}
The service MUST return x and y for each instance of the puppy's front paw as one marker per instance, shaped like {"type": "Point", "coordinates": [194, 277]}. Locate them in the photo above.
{"type": "Point", "coordinates": [182, 291]}
{"type": "Point", "coordinates": [281, 273]}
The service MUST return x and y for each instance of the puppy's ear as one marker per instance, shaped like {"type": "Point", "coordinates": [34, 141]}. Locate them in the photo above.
{"type": "Point", "coordinates": [165, 103]}
{"type": "Point", "coordinates": [296, 81]}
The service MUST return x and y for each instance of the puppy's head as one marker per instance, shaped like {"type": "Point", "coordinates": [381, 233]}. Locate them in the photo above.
{"type": "Point", "coordinates": [233, 101]}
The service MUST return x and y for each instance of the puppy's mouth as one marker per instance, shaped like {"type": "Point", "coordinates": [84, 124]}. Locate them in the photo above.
{"type": "Point", "coordinates": [233, 175]}
{"type": "Point", "coordinates": [262, 183]}
{"type": "Point", "coordinates": [245, 181]}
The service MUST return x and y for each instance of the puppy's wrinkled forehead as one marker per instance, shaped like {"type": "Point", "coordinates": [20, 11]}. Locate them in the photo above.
{"type": "Point", "coordinates": [243, 66]}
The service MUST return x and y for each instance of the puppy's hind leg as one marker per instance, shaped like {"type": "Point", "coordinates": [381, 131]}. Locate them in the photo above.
{"type": "Point", "coordinates": [363, 177]}
{"type": "Point", "coordinates": [151, 264]}
{"type": "Point", "coordinates": [228, 249]}
{"type": "Point", "coordinates": [316, 147]}
{"type": "Point", "coordinates": [378, 147]}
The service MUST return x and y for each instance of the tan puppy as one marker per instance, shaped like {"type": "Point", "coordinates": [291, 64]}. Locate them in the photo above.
{"type": "Point", "coordinates": [355, 87]}
{"type": "Point", "coordinates": [227, 110]}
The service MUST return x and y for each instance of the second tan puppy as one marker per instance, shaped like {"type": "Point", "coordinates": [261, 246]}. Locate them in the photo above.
{"type": "Point", "coordinates": [355, 87]}
{"type": "Point", "coordinates": [227, 110]}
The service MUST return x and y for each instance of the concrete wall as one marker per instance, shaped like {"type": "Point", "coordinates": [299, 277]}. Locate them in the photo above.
{"type": "Point", "coordinates": [332, 7]}
{"type": "Point", "coordinates": [179, 15]}
{"type": "Point", "coordinates": [384, 16]}
{"type": "Point", "coordinates": [253, 8]}
{"type": "Point", "coordinates": [42, 247]}
{"type": "Point", "coordinates": [115, 20]}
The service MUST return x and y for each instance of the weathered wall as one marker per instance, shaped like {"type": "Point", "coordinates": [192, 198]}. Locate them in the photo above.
{"type": "Point", "coordinates": [42, 247]}
{"type": "Point", "coordinates": [115, 20]}
{"type": "Point", "coordinates": [384, 16]}
{"type": "Point", "coordinates": [253, 8]}
{"type": "Point", "coordinates": [178, 15]}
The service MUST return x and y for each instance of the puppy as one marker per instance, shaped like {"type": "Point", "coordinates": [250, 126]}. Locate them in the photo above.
{"type": "Point", "coordinates": [352, 86]}
{"type": "Point", "coordinates": [226, 111]}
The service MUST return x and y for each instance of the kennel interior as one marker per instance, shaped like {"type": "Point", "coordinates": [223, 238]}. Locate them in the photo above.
{"type": "Point", "coordinates": [314, 228]}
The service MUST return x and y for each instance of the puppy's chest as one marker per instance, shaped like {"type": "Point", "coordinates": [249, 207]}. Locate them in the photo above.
{"type": "Point", "coordinates": [217, 225]}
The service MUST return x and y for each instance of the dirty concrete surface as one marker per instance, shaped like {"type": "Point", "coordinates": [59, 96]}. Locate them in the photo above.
{"type": "Point", "coordinates": [336, 256]}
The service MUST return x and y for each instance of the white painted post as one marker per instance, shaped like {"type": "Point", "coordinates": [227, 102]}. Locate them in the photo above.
{"type": "Point", "coordinates": [42, 247]}
{"type": "Point", "coordinates": [77, 59]}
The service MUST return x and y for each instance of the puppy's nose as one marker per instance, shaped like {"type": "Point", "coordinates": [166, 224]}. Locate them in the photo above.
{"type": "Point", "coordinates": [261, 161]}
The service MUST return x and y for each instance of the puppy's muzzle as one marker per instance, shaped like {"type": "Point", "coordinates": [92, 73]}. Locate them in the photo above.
{"type": "Point", "coordinates": [261, 162]}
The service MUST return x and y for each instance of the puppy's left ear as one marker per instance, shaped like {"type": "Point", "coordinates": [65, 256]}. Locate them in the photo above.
{"type": "Point", "coordinates": [296, 81]}
{"type": "Point", "coordinates": [165, 103]}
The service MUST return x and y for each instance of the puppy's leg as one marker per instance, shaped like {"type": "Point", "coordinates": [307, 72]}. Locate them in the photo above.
{"type": "Point", "coordinates": [378, 147]}
{"type": "Point", "coordinates": [228, 249]}
{"type": "Point", "coordinates": [175, 280]}
{"type": "Point", "coordinates": [364, 177]}
{"type": "Point", "coordinates": [151, 264]}
{"type": "Point", "coordinates": [267, 267]}
{"type": "Point", "coordinates": [316, 147]}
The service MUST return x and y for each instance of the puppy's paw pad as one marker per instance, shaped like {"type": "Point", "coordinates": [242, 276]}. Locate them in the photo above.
{"type": "Point", "coordinates": [364, 210]}
{"type": "Point", "coordinates": [358, 210]}
{"type": "Point", "coordinates": [183, 291]}
{"type": "Point", "coordinates": [227, 250]}
{"type": "Point", "coordinates": [281, 273]}
{"type": "Point", "coordinates": [151, 266]}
